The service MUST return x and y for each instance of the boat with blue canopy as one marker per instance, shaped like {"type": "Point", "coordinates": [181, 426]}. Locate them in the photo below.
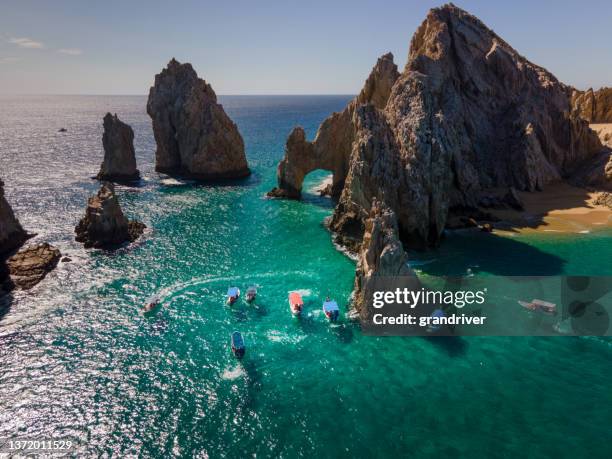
{"type": "Point", "coordinates": [238, 347]}
{"type": "Point", "coordinates": [331, 309]}
{"type": "Point", "coordinates": [233, 293]}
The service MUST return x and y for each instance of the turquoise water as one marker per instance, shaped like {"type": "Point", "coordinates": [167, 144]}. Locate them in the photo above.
{"type": "Point", "coordinates": [79, 360]}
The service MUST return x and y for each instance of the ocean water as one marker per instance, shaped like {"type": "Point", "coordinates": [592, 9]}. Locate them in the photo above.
{"type": "Point", "coordinates": [79, 360]}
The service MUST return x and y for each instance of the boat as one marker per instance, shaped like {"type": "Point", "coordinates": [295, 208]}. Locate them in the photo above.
{"type": "Point", "coordinates": [151, 304]}
{"type": "Point", "coordinates": [331, 310]}
{"type": "Point", "coordinates": [238, 347]}
{"type": "Point", "coordinates": [233, 293]}
{"type": "Point", "coordinates": [432, 328]}
{"type": "Point", "coordinates": [251, 294]}
{"type": "Point", "coordinates": [295, 303]}
{"type": "Point", "coordinates": [544, 306]}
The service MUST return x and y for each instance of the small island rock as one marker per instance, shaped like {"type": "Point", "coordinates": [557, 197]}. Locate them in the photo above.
{"type": "Point", "coordinates": [104, 225]}
{"type": "Point", "coordinates": [119, 156]}
{"type": "Point", "coordinates": [31, 264]}
{"type": "Point", "coordinates": [195, 137]}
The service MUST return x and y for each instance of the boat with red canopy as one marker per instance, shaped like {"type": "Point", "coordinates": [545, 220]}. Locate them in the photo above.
{"type": "Point", "coordinates": [295, 303]}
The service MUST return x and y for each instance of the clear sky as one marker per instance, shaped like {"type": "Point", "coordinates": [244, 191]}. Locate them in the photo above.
{"type": "Point", "coordinates": [270, 47]}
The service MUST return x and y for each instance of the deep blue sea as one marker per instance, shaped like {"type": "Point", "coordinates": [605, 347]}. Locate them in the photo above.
{"type": "Point", "coordinates": [79, 360]}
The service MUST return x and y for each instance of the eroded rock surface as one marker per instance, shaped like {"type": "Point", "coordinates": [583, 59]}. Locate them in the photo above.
{"type": "Point", "coordinates": [31, 264]}
{"type": "Point", "coordinates": [593, 106]}
{"type": "Point", "coordinates": [332, 146]}
{"type": "Point", "coordinates": [381, 254]}
{"type": "Point", "coordinates": [119, 156]}
{"type": "Point", "coordinates": [468, 114]}
{"type": "Point", "coordinates": [194, 135]}
{"type": "Point", "coordinates": [104, 225]}
{"type": "Point", "coordinates": [12, 234]}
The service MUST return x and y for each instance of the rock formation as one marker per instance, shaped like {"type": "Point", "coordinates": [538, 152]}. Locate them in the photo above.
{"type": "Point", "coordinates": [467, 114]}
{"type": "Point", "coordinates": [593, 106]}
{"type": "Point", "coordinates": [104, 225]}
{"type": "Point", "coordinates": [332, 146]}
{"type": "Point", "coordinates": [194, 135]}
{"type": "Point", "coordinates": [381, 254]}
{"type": "Point", "coordinates": [31, 264]}
{"type": "Point", "coordinates": [12, 235]}
{"type": "Point", "coordinates": [119, 156]}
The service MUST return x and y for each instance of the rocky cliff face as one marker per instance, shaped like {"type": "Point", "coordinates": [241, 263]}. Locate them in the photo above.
{"type": "Point", "coordinates": [593, 106]}
{"type": "Point", "coordinates": [194, 135]}
{"type": "Point", "coordinates": [467, 114]}
{"type": "Point", "coordinates": [332, 146]}
{"type": "Point", "coordinates": [12, 235]}
{"type": "Point", "coordinates": [381, 254]}
{"type": "Point", "coordinates": [119, 156]}
{"type": "Point", "coordinates": [104, 225]}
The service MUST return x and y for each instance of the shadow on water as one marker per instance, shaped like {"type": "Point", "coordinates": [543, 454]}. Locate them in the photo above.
{"type": "Point", "coordinates": [179, 182]}
{"type": "Point", "coordinates": [6, 300]}
{"type": "Point", "coordinates": [488, 253]}
{"type": "Point", "coordinates": [454, 346]}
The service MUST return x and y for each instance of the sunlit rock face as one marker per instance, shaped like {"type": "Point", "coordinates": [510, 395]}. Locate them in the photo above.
{"type": "Point", "coordinates": [195, 137]}
{"type": "Point", "coordinates": [119, 156]}
{"type": "Point", "coordinates": [104, 224]}
{"type": "Point", "coordinates": [468, 114]}
{"type": "Point", "coordinates": [593, 106]}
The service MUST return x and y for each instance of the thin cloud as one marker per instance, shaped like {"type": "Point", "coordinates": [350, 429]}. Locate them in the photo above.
{"type": "Point", "coordinates": [70, 51]}
{"type": "Point", "coordinates": [8, 60]}
{"type": "Point", "coordinates": [25, 42]}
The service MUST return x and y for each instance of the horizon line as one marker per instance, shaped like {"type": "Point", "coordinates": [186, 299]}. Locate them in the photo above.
{"type": "Point", "coordinates": [138, 95]}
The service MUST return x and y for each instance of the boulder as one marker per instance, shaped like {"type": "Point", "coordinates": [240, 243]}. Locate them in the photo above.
{"type": "Point", "coordinates": [195, 137]}
{"type": "Point", "coordinates": [104, 225]}
{"type": "Point", "coordinates": [31, 264]}
{"type": "Point", "coordinates": [119, 157]}
{"type": "Point", "coordinates": [593, 106]}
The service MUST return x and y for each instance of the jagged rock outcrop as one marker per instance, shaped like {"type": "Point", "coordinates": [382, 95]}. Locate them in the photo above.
{"type": "Point", "coordinates": [332, 146]}
{"type": "Point", "coordinates": [119, 156]}
{"type": "Point", "coordinates": [31, 264]}
{"type": "Point", "coordinates": [194, 135]}
{"type": "Point", "coordinates": [467, 114]}
{"type": "Point", "coordinates": [593, 106]}
{"type": "Point", "coordinates": [604, 199]}
{"type": "Point", "coordinates": [104, 225]}
{"type": "Point", "coordinates": [381, 254]}
{"type": "Point", "coordinates": [12, 234]}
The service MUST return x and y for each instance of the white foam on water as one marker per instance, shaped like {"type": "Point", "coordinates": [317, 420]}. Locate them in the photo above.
{"type": "Point", "coordinates": [303, 292]}
{"type": "Point", "coordinates": [171, 181]}
{"type": "Point", "coordinates": [584, 232]}
{"type": "Point", "coordinates": [233, 373]}
{"type": "Point", "coordinates": [277, 336]}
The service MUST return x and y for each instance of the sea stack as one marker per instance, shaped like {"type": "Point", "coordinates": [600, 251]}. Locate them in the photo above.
{"type": "Point", "coordinates": [104, 225]}
{"type": "Point", "coordinates": [12, 234]}
{"type": "Point", "coordinates": [195, 137]}
{"type": "Point", "coordinates": [119, 157]}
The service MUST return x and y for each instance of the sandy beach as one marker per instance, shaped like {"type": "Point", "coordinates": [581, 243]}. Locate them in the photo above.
{"type": "Point", "coordinates": [559, 208]}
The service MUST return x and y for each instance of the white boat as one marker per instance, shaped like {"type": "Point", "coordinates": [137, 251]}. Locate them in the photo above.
{"type": "Point", "coordinates": [233, 293]}
{"type": "Point", "coordinates": [251, 294]}
{"type": "Point", "coordinates": [331, 310]}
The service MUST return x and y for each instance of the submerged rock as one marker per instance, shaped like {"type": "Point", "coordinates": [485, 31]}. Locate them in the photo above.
{"type": "Point", "coordinates": [593, 106]}
{"type": "Point", "coordinates": [119, 156]}
{"type": "Point", "coordinates": [31, 264]}
{"type": "Point", "coordinates": [12, 234]}
{"type": "Point", "coordinates": [332, 146]}
{"type": "Point", "coordinates": [104, 225]}
{"type": "Point", "coordinates": [195, 137]}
